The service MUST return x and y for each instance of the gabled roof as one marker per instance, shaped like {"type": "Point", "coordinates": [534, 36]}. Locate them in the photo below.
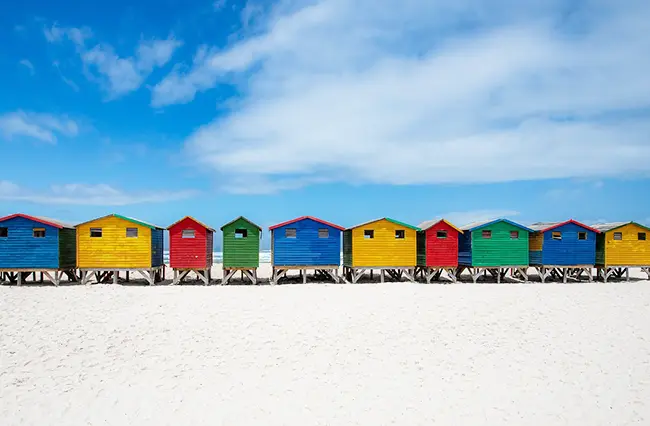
{"type": "Point", "coordinates": [431, 223]}
{"type": "Point", "coordinates": [396, 222]}
{"type": "Point", "coordinates": [192, 219]}
{"type": "Point", "coordinates": [606, 227]}
{"type": "Point", "coordinates": [298, 219]}
{"type": "Point", "coordinates": [547, 226]}
{"type": "Point", "coordinates": [476, 225]}
{"type": "Point", "coordinates": [130, 219]}
{"type": "Point", "coordinates": [40, 219]}
{"type": "Point", "coordinates": [241, 217]}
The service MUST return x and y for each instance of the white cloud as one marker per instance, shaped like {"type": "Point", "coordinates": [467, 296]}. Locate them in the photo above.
{"type": "Point", "coordinates": [44, 127]}
{"type": "Point", "coordinates": [27, 64]}
{"type": "Point", "coordinates": [392, 92]}
{"type": "Point", "coordinates": [116, 74]}
{"type": "Point", "coordinates": [82, 194]}
{"type": "Point", "coordinates": [56, 34]}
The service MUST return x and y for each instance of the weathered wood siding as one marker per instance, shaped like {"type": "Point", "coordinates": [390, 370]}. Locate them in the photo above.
{"type": "Point", "coordinates": [535, 245]}
{"type": "Point", "coordinates": [186, 253]}
{"type": "Point", "coordinates": [347, 247]}
{"type": "Point", "coordinates": [157, 247]}
{"type": "Point", "coordinates": [421, 242]}
{"type": "Point", "coordinates": [21, 250]}
{"type": "Point", "coordinates": [630, 251]}
{"type": "Point", "coordinates": [441, 252]}
{"type": "Point", "coordinates": [384, 249]}
{"type": "Point", "coordinates": [307, 249]}
{"type": "Point", "coordinates": [569, 250]}
{"type": "Point", "coordinates": [465, 248]}
{"type": "Point", "coordinates": [113, 249]}
{"type": "Point", "coordinates": [241, 252]}
{"type": "Point", "coordinates": [67, 248]}
{"type": "Point", "coordinates": [500, 250]}
{"type": "Point", "coordinates": [210, 248]}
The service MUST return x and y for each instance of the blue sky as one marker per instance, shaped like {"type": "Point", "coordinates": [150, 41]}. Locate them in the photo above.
{"type": "Point", "coordinates": [346, 110]}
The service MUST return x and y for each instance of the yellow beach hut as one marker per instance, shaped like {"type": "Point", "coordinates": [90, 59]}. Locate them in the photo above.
{"type": "Point", "coordinates": [620, 246]}
{"type": "Point", "coordinates": [112, 244]}
{"type": "Point", "coordinates": [382, 244]}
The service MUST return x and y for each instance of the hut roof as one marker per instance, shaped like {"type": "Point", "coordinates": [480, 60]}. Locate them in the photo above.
{"type": "Point", "coordinates": [396, 222]}
{"type": "Point", "coordinates": [130, 219]}
{"type": "Point", "coordinates": [606, 227]}
{"type": "Point", "coordinates": [41, 219]}
{"type": "Point", "coordinates": [298, 219]}
{"type": "Point", "coordinates": [430, 223]}
{"type": "Point", "coordinates": [480, 224]}
{"type": "Point", "coordinates": [193, 219]}
{"type": "Point", "coordinates": [547, 226]}
{"type": "Point", "coordinates": [241, 217]}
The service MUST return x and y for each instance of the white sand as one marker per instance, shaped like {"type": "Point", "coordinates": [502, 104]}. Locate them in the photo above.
{"type": "Point", "coordinates": [405, 354]}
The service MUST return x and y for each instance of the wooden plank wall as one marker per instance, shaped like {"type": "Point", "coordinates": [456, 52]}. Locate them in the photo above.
{"type": "Point", "coordinates": [21, 250]}
{"type": "Point", "coordinates": [241, 252]}
{"type": "Point", "coordinates": [114, 249]}
{"type": "Point", "coordinates": [307, 249]}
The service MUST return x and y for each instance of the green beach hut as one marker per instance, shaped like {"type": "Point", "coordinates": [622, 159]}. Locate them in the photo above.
{"type": "Point", "coordinates": [496, 247]}
{"type": "Point", "coordinates": [241, 249]}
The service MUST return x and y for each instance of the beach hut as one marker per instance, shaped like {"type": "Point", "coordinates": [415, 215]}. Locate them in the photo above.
{"type": "Point", "coordinates": [191, 245]}
{"type": "Point", "coordinates": [562, 249]}
{"type": "Point", "coordinates": [384, 244]}
{"type": "Point", "coordinates": [620, 246]}
{"type": "Point", "coordinates": [437, 248]}
{"type": "Point", "coordinates": [496, 246]}
{"type": "Point", "coordinates": [306, 243]}
{"type": "Point", "coordinates": [31, 245]}
{"type": "Point", "coordinates": [241, 249]}
{"type": "Point", "coordinates": [112, 244]}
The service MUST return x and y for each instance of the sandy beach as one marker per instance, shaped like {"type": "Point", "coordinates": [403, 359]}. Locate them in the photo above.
{"type": "Point", "coordinates": [325, 354]}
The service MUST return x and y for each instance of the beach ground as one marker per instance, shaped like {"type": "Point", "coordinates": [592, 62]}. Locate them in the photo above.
{"type": "Point", "coordinates": [325, 354]}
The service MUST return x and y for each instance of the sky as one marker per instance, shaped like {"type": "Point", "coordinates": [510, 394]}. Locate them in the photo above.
{"type": "Point", "coordinates": [340, 109]}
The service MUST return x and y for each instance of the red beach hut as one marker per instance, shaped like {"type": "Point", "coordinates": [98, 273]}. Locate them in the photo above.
{"type": "Point", "coordinates": [190, 249]}
{"type": "Point", "coordinates": [437, 243]}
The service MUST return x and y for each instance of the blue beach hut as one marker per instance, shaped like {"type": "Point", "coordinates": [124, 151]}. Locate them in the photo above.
{"type": "Point", "coordinates": [30, 244]}
{"type": "Point", "coordinates": [306, 243]}
{"type": "Point", "coordinates": [563, 249]}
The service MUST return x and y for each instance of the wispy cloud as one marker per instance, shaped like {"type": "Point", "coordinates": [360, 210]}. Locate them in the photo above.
{"type": "Point", "coordinates": [401, 92]}
{"type": "Point", "coordinates": [27, 64]}
{"type": "Point", "coordinates": [66, 80]}
{"type": "Point", "coordinates": [116, 74]}
{"type": "Point", "coordinates": [43, 127]}
{"type": "Point", "coordinates": [83, 194]}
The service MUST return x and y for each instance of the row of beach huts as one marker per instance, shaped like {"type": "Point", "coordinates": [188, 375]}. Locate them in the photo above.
{"type": "Point", "coordinates": [115, 248]}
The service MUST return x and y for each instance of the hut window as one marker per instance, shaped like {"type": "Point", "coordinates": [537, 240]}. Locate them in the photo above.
{"type": "Point", "coordinates": [188, 233]}
{"type": "Point", "coordinates": [441, 235]}
{"type": "Point", "coordinates": [323, 233]}
{"type": "Point", "coordinates": [618, 236]}
{"type": "Point", "coordinates": [514, 235]}
{"type": "Point", "coordinates": [368, 234]}
{"type": "Point", "coordinates": [557, 235]}
{"type": "Point", "coordinates": [241, 233]}
{"type": "Point", "coordinates": [582, 235]}
{"type": "Point", "coordinates": [131, 232]}
{"type": "Point", "coordinates": [4, 232]}
{"type": "Point", "coordinates": [399, 234]}
{"type": "Point", "coordinates": [290, 233]}
{"type": "Point", "coordinates": [38, 232]}
{"type": "Point", "coordinates": [641, 236]}
{"type": "Point", "coordinates": [95, 232]}
{"type": "Point", "coordinates": [486, 233]}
